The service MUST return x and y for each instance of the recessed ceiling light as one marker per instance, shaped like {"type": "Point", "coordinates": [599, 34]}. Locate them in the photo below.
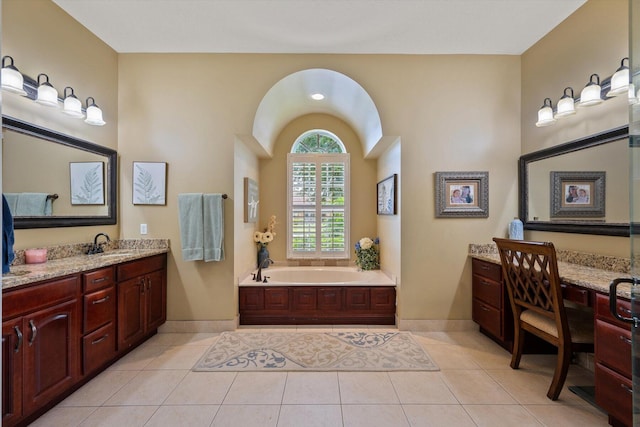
{"type": "Point", "coordinates": [317, 96]}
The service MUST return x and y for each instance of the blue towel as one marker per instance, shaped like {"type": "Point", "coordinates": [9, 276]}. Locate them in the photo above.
{"type": "Point", "coordinates": [191, 220]}
{"type": "Point", "coordinates": [7, 236]}
{"type": "Point", "coordinates": [31, 204]}
{"type": "Point", "coordinates": [213, 227]}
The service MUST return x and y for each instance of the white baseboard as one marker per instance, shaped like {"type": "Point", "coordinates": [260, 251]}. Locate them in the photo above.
{"type": "Point", "coordinates": [436, 325]}
{"type": "Point", "coordinates": [195, 326]}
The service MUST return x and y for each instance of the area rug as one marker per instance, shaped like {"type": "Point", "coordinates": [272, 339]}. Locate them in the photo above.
{"type": "Point", "coordinates": [316, 351]}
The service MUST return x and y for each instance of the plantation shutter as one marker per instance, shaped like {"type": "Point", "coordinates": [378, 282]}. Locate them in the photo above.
{"type": "Point", "coordinates": [318, 204]}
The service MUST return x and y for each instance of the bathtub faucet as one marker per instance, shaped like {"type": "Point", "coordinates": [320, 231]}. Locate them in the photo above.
{"type": "Point", "coordinates": [260, 267]}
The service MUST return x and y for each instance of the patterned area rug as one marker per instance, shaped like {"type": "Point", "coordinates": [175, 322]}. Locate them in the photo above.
{"type": "Point", "coordinates": [316, 351]}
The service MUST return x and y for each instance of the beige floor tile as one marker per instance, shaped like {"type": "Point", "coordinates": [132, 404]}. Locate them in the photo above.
{"type": "Point", "coordinates": [421, 388]}
{"type": "Point", "coordinates": [476, 387]}
{"type": "Point", "coordinates": [201, 388]}
{"type": "Point", "coordinates": [138, 358]}
{"type": "Point", "coordinates": [184, 415]}
{"type": "Point", "coordinates": [257, 388]}
{"type": "Point", "coordinates": [490, 357]}
{"type": "Point", "coordinates": [177, 357]}
{"type": "Point", "coordinates": [366, 387]}
{"type": "Point", "coordinates": [99, 389]}
{"type": "Point", "coordinates": [318, 388]}
{"type": "Point", "coordinates": [437, 416]}
{"type": "Point", "coordinates": [170, 339]}
{"type": "Point", "coordinates": [147, 388]}
{"type": "Point", "coordinates": [568, 416]}
{"type": "Point", "coordinates": [451, 357]}
{"type": "Point", "coordinates": [501, 415]}
{"type": "Point", "coordinates": [310, 416]}
{"type": "Point", "coordinates": [119, 416]}
{"type": "Point", "coordinates": [63, 417]}
{"type": "Point", "coordinates": [246, 416]}
{"type": "Point", "coordinates": [433, 338]}
{"type": "Point", "coordinates": [374, 416]}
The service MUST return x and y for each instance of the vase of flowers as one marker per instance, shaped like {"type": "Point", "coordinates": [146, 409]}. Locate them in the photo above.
{"type": "Point", "coordinates": [367, 254]}
{"type": "Point", "coordinates": [262, 239]}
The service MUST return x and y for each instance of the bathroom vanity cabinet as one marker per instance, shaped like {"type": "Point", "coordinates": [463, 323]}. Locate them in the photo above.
{"type": "Point", "coordinates": [59, 333]}
{"type": "Point", "coordinates": [308, 305]}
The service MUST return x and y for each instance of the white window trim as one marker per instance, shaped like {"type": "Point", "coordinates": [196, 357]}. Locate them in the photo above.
{"type": "Point", "coordinates": [319, 158]}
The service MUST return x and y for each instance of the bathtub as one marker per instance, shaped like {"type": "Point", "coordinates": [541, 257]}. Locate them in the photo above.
{"type": "Point", "coordinates": [320, 276]}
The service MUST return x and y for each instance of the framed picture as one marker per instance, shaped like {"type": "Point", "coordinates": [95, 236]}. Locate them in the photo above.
{"type": "Point", "coordinates": [462, 194]}
{"type": "Point", "coordinates": [87, 183]}
{"type": "Point", "coordinates": [149, 183]}
{"type": "Point", "coordinates": [250, 200]}
{"type": "Point", "coordinates": [387, 195]}
{"type": "Point", "coordinates": [577, 194]}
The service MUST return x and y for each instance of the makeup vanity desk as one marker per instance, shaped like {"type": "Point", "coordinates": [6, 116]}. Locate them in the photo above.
{"type": "Point", "coordinates": [585, 281]}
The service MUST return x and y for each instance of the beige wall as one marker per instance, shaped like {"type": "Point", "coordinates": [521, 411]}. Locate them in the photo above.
{"type": "Point", "coordinates": [567, 56]}
{"type": "Point", "coordinates": [194, 111]}
{"type": "Point", "coordinates": [42, 38]}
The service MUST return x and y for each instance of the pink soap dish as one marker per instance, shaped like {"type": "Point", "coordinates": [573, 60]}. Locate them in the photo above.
{"type": "Point", "coordinates": [35, 256]}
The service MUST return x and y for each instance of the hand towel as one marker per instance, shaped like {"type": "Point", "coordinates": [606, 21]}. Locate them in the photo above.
{"type": "Point", "coordinates": [12, 200]}
{"type": "Point", "coordinates": [7, 237]}
{"type": "Point", "coordinates": [213, 227]}
{"type": "Point", "coordinates": [31, 204]}
{"type": "Point", "coordinates": [190, 217]}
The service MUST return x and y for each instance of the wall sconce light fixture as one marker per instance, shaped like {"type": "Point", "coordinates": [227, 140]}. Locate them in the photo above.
{"type": "Point", "coordinates": [592, 93]}
{"type": "Point", "coordinates": [12, 80]}
{"type": "Point", "coordinates": [545, 114]}
{"type": "Point", "coordinates": [94, 113]}
{"type": "Point", "coordinates": [47, 95]}
{"type": "Point", "coordinates": [72, 105]}
{"type": "Point", "coordinates": [620, 80]}
{"type": "Point", "coordinates": [566, 105]}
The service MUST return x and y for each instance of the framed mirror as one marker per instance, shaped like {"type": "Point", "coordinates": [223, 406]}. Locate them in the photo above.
{"type": "Point", "coordinates": [597, 167]}
{"type": "Point", "coordinates": [77, 178]}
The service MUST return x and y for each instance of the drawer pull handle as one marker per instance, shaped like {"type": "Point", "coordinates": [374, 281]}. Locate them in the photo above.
{"type": "Point", "coordinates": [19, 343]}
{"type": "Point", "coordinates": [484, 267]}
{"type": "Point", "coordinates": [484, 308]}
{"type": "Point", "coordinates": [99, 340]}
{"type": "Point", "coordinates": [100, 279]}
{"type": "Point", "coordinates": [625, 339]}
{"type": "Point", "coordinates": [142, 284]}
{"type": "Point", "coordinates": [484, 282]}
{"type": "Point", "coordinates": [624, 310]}
{"type": "Point", "coordinates": [34, 332]}
{"type": "Point", "coordinates": [628, 389]}
{"type": "Point", "coordinates": [101, 300]}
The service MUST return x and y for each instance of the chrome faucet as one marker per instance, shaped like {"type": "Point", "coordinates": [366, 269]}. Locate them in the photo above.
{"type": "Point", "coordinates": [97, 248]}
{"type": "Point", "coordinates": [258, 277]}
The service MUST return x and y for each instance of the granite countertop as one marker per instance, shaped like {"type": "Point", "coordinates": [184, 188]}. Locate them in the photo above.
{"type": "Point", "coordinates": [571, 273]}
{"type": "Point", "coordinates": [25, 274]}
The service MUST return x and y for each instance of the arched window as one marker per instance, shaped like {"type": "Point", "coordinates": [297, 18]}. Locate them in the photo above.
{"type": "Point", "coordinates": [318, 197]}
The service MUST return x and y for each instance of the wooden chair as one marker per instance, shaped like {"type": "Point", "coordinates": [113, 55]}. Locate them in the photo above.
{"type": "Point", "coordinates": [530, 272]}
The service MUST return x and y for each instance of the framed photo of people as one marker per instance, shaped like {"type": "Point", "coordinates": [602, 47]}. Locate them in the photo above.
{"type": "Point", "coordinates": [578, 194]}
{"type": "Point", "coordinates": [462, 194]}
{"type": "Point", "coordinates": [386, 191]}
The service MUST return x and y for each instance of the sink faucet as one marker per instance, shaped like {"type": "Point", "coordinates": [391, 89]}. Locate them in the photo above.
{"type": "Point", "coordinates": [97, 248]}
{"type": "Point", "coordinates": [260, 267]}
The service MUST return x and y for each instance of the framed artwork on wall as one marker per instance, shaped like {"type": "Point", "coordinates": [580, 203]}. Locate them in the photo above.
{"type": "Point", "coordinates": [149, 183]}
{"type": "Point", "coordinates": [251, 200]}
{"type": "Point", "coordinates": [87, 183]}
{"type": "Point", "coordinates": [578, 194]}
{"type": "Point", "coordinates": [386, 191]}
{"type": "Point", "coordinates": [462, 194]}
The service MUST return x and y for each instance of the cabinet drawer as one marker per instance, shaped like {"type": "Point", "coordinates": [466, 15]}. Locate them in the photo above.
{"type": "Point", "coordinates": [487, 317]}
{"type": "Point", "coordinates": [99, 309]}
{"type": "Point", "coordinates": [98, 348]}
{"type": "Point", "coordinates": [613, 393]}
{"type": "Point", "coordinates": [98, 279]}
{"type": "Point", "coordinates": [16, 302]}
{"type": "Point", "coordinates": [613, 347]}
{"type": "Point", "coordinates": [488, 291]}
{"type": "Point", "coordinates": [141, 267]}
{"type": "Point", "coordinates": [487, 269]}
{"type": "Point", "coordinates": [602, 310]}
{"type": "Point", "coordinates": [576, 294]}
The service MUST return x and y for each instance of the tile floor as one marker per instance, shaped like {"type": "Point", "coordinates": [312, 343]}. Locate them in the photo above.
{"type": "Point", "coordinates": [153, 386]}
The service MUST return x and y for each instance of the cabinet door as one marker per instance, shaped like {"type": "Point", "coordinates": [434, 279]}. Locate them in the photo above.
{"type": "Point", "coordinates": [156, 299]}
{"type": "Point", "coordinates": [52, 350]}
{"type": "Point", "coordinates": [304, 299]}
{"type": "Point", "coordinates": [251, 298]}
{"type": "Point", "coordinates": [131, 313]}
{"type": "Point", "coordinates": [12, 354]}
{"type": "Point", "coordinates": [330, 298]}
{"type": "Point", "coordinates": [383, 299]}
{"type": "Point", "coordinates": [276, 299]}
{"type": "Point", "coordinates": [357, 298]}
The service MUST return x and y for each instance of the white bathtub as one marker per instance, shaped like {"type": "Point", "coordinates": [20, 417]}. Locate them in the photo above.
{"type": "Point", "coordinates": [324, 276]}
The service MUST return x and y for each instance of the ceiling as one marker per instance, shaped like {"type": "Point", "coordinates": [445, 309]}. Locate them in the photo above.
{"type": "Point", "coordinates": [321, 26]}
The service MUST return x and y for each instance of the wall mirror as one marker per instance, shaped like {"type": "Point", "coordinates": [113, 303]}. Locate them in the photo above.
{"type": "Point", "coordinates": [545, 204]}
{"type": "Point", "coordinates": [79, 176]}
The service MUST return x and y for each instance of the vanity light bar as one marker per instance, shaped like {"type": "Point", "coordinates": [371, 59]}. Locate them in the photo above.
{"type": "Point", "coordinates": [43, 92]}
{"type": "Point", "coordinates": [592, 94]}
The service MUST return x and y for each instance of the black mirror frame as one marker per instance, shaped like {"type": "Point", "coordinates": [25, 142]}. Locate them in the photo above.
{"type": "Point", "coordinates": [583, 227]}
{"type": "Point", "coordinates": [59, 138]}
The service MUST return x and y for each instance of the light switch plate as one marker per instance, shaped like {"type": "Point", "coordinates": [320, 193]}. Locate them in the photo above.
{"type": "Point", "coordinates": [143, 228]}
